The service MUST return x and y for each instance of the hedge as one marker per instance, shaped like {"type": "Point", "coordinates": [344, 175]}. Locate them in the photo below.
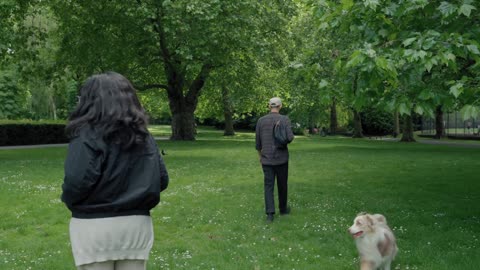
{"type": "Point", "coordinates": [29, 133]}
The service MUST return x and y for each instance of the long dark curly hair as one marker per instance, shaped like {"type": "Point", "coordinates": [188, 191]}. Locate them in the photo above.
{"type": "Point", "coordinates": [109, 105]}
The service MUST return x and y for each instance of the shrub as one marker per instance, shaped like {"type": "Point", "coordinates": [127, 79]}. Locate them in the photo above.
{"type": "Point", "coordinates": [297, 129]}
{"type": "Point", "coordinates": [29, 133]}
{"type": "Point", "coordinates": [344, 131]}
{"type": "Point", "coordinates": [242, 122]}
{"type": "Point", "coordinates": [376, 122]}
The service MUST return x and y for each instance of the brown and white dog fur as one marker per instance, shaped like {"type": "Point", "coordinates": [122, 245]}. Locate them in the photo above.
{"type": "Point", "coordinates": [375, 241]}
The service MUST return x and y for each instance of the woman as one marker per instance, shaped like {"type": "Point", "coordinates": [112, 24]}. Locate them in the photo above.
{"type": "Point", "coordinates": [113, 176]}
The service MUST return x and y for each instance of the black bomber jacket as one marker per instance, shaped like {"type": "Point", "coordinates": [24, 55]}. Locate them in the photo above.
{"type": "Point", "coordinates": [104, 180]}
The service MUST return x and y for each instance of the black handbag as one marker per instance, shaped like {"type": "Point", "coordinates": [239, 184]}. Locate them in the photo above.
{"type": "Point", "coordinates": [280, 135]}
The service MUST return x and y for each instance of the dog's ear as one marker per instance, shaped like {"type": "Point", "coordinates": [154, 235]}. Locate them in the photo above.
{"type": "Point", "coordinates": [370, 220]}
{"type": "Point", "coordinates": [380, 218]}
{"type": "Point", "coordinates": [361, 214]}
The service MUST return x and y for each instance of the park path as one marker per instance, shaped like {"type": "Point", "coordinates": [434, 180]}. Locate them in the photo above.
{"type": "Point", "coordinates": [456, 144]}
{"type": "Point", "coordinates": [431, 142]}
{"type": "Point", "coordinates": [436, 142]}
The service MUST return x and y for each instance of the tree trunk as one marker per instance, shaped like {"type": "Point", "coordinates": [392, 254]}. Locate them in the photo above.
{"type": "Point", "coordinates": [311, 121]}
{"type": "Point", "coordinates": [54, 108]}
{"type": "Point", "coordinates": [439, 129]}
{"type": "Point", "coordinates": [407, 129]}
{"type": "Point", "coordinates": [333, 117]}
{"type": "Point", "coordinates": [183, 120]}
{"type": "Point", "coordinates": [183, 106]}
{"type": "Point", "coordinates": [183, 98]}
{"type": "Point", "coordinates": [357, 120]}
{"type": "Point", "coordinates": [357, 125]}
{"type": "Point", "coordinates": [396, 124]}
{"type": "Point", "coordinates": [227, 112]}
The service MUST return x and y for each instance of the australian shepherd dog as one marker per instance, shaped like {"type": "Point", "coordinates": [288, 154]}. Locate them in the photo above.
{"type": "Point", "coordinates": [375, 241]}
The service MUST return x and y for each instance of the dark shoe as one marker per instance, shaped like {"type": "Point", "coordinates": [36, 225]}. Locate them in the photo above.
{"type": "Point", "coordinates": [269, 218]}
{"type": "Point", "coordinates": [286, 212]}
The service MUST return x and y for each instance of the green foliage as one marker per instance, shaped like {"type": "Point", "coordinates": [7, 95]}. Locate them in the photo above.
{"type": "Point", "coordinates": [172, 45]}
{"type": "Point", "coordinates": [470, 96]}
{"type": "Point", "coordinates": [13, 99]}
{"type": "Point", "coordinates": [247, 84]}
{"type": "Point", "coordinates": [312, 83]}
{"type": "Point", "coordinates": [399, 47]}
{"type": "Point", "coordinates": [128, 36]}
{"type": "Point", "coordinates": [46, 90]}
{"type": "Point", "coordinates": [469, 111]}
{"type": "Point", "coordinates": [407, 56]}
{"type": "Point", "coordinates": [155, 103]}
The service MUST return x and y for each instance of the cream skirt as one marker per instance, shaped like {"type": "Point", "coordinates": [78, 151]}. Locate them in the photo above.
{"type": "Point", "coordinates": [111, 239]}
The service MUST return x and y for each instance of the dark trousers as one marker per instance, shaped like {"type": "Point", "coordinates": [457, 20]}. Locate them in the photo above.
{"type": "Point", "coordinates": [281, 173]}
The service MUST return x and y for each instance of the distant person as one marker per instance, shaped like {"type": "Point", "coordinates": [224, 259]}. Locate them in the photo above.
{"type": "Point", "coordinates": [113, 177]}
{"type": "Point", "coordinates": [274, 158]}
{"type": "Point", "coordinates": [323, 132]}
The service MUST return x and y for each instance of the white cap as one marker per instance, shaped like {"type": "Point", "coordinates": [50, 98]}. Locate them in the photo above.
{"type": "Point", "coordinates": [275, 102]}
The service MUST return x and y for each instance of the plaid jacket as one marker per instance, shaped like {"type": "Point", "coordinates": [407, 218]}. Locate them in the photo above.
{"type": "Point", "coordinates": [264, 141]}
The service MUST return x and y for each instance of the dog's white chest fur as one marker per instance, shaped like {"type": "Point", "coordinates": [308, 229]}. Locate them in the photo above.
{"type": "Point", "coordinates": [371, 245]}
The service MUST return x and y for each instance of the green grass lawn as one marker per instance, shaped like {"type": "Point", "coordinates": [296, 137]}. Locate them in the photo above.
{"type": "Point", "coordinates": [212, 214]}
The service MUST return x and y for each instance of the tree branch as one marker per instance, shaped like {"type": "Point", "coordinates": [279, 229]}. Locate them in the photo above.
{"type": "Point", "coordinates": [198, 82]}
{"type": "Point", "coordinates": [161, 34]}
{"type": "Point", "coordinates": [151, 86]}
{"type": "Point", "coordinates": [172, 69]}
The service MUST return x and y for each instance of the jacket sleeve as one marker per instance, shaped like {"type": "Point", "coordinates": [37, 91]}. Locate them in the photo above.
{"type": "Point", "coordinates": [258, 140]}
{"type": "Point", "coordinates": [82, 171]}
{"type": "Point", "coordinates": [290, 135]}
{"type": "Point", "coordinates": [164, 179]}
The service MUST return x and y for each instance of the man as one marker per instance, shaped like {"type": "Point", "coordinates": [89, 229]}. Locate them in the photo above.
{"type": "Point", "coordinates": [273, 157]}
